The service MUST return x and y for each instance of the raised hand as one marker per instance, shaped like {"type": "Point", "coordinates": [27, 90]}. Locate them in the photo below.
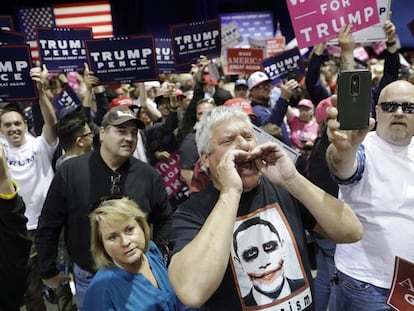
{"type": "Point", "coordinates": [273, 162]}
{"type": "Point", "coordinates": [40, 75]}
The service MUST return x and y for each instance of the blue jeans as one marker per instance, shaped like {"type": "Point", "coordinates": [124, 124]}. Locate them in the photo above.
{"type": "Point", "coordinates": [355, 295]}
{"type": "Point", "coordinates": [82, 280]}
{"type": "Point", "coordinates": [324, 289]}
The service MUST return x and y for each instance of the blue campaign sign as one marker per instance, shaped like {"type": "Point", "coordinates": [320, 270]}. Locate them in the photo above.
{"type": "Point", "coordinates": [165, 56]}
{"type": "Point", "coordinates": [278, 67]}
{"type": "Point", "coordinates": [191, 40]}
{"type": "Point", "coordinates": [12, 37]}
{"type": "Point", "coordinates": [122, 59]}
{"type": "Point", "coordinates": [63, 49]}
{"type": "Point", "coordinates": [6, 22]}
{"type": "Point", "coordinates": [65, 102]}
{"type": "Point", "coordinates": [15, 81]}
{"type": "Point", "coordinates": [256, 25]}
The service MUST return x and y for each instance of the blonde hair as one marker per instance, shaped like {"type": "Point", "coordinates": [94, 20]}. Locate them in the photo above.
{"type": "Point", "coordinates": [114, 210]}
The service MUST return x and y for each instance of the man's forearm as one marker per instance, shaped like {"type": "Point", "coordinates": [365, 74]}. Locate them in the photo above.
{"type": "Point", "coordinates": [207, 255]}
{"type": "Point", "coordinates": [335, 219]}
{"type": "Point", "coordinates": [342, 165]}
{"type": "Point", "coordinates": [347, 61]}
{"type": "Point", "coordinates": [49, 116]}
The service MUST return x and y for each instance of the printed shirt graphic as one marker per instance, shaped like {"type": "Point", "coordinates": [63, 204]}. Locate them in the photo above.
{"type": "Point", "coordinates": [266, 264]}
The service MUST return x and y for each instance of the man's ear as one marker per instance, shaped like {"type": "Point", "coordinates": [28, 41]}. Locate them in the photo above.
{"type": "Point", "coordinates": [204, 160]}
{"type": "Point", "coordinates": [79, 142]}
{"type": "Point", "coordinates": [101, 133]}
{"type": "Point", "coordinates": [377, 109]}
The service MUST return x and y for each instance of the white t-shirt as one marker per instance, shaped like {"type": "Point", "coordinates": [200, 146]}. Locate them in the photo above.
{"type": "Point", "coordinates": [384, 203]}
{"type": "Point", "coordinates": [139, 152]}
{"type": "Point", "coordinates": [31, 168]}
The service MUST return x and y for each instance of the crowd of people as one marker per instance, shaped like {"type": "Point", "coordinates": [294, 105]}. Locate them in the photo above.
{"type": "Point", "coordinates": [238, 238]}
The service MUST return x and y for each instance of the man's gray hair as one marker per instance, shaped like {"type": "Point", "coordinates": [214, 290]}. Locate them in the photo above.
{"type": "Point", "coordinates": [210, 119]}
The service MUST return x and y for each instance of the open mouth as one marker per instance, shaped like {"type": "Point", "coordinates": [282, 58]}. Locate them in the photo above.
{"type": "Point", "coordinates": [245, 167]}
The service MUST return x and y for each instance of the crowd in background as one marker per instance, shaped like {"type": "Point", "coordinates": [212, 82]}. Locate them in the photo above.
{"type": "Point", "coordinates": [75, 151]}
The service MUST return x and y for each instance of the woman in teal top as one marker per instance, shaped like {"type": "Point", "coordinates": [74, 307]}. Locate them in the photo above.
{"type": "Point", "coordinates": [132, 272]}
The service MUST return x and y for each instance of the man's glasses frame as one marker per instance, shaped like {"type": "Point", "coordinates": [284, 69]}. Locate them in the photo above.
{"type": "Point", "coordinates": [89, 134]}
{"type": "Point", "coordinates": [390, 107]}
{"type": "Point", "coordinates": [264, 85]}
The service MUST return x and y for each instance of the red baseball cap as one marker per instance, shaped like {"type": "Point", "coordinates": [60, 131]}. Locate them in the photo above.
{"type": "Point", "coordinates": [122, 101]}
{"type": "Point", "coordinates": [209, 81]}
{"type": "Point", "coordinates": [242, 103]}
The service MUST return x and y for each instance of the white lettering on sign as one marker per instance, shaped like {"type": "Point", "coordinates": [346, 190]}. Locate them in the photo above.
{"type": "Point", "coordinates": [325, 29]}
{"type": "Point", "coordinates": [334, 5]}
{"type": "Point", "coordinates": [294, 2]}
{"type": "Point", "coordinates": [11, 70]}
{"type": "Point", "coordinates": [407, 283]}
{"type": "Point", "coordinates": [121, 58]}
{"type": "Point", "coordinates": [409, 299]}
{"type": "Point", "coordinates": [197, 40]}
{"type": "Point", "coordinates": [61, 44]}
{"type": "Point", "coordinates": [11, 66]}
{"type": "Point", "coordinates": [163, 54]}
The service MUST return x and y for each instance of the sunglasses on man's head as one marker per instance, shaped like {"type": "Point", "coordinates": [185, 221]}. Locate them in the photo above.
{"type": "Point", "coordinates": [390, 107]}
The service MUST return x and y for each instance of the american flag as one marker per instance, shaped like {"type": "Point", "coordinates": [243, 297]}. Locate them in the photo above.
{"type": "Point", "coordinates": [96, 15]}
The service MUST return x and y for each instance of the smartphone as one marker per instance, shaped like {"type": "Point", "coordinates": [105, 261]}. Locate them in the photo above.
{"type": "Point", "coordinates": [293, 74]}
{"type": "Point", "coordinates": [354, 97]}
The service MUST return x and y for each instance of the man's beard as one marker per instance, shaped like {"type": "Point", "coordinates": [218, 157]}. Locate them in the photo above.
{"type": "Point", "coordinates": [399, 134]}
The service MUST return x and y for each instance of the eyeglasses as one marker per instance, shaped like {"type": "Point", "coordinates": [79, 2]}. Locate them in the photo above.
{"type": "Point", "coordinates": [263, 86]}
{"type": "Point", "coordinates": [115, 179]}
{"type": "Point", "coordinates": [90, 134]}
{"type": "Point", "coordinates": [390, 107]}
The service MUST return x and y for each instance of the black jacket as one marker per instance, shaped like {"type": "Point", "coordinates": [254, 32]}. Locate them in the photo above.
{"type": "Point", "coordinates": [79, 183]}
{"type": "Point", "coordinates": [14, 254]}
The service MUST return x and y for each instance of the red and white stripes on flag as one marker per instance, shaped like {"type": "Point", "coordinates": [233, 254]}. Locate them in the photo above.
{"type": "Point", "coordinates": [95, 15]}
{"type": "Point", "coordinates": [92, 14]}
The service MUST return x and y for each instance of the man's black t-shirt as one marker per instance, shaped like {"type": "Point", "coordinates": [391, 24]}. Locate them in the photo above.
{"type": "Point", "coordinates": [271, 204]}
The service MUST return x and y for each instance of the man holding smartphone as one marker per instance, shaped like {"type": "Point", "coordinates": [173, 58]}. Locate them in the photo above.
{"type": "Point", "coordinates": [374, 171]}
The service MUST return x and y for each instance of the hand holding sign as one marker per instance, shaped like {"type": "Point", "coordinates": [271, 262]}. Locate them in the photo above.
{"type": "Point", "coordinates": [345, 38]}
{"type": "Point", "coordinates": [40, 76]}
{"type": "Point", "coordinates": [347, 44]}
{"type": "Point", "coordinates": [170, 93]}
{"type": "Point", "coordinates": [389, 30]}
{"type": "Point", "coordinates": [90, 80]}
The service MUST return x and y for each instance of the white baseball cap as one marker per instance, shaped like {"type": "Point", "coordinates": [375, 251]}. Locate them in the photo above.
{"type": "Point", "coordinates": [257, 78]}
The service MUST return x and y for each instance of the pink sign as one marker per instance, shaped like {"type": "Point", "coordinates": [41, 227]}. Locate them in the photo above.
{"type": "Point", "coordinates": [171, 175]}
{"type": "Point", "coordinates": [379, 47]}
{"type": "Point", "coordinates": [334, 50]}
{"type": "Point", "coordinates": [316, 21]}
{"type": "Point", "coordinates": [361, 54]}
